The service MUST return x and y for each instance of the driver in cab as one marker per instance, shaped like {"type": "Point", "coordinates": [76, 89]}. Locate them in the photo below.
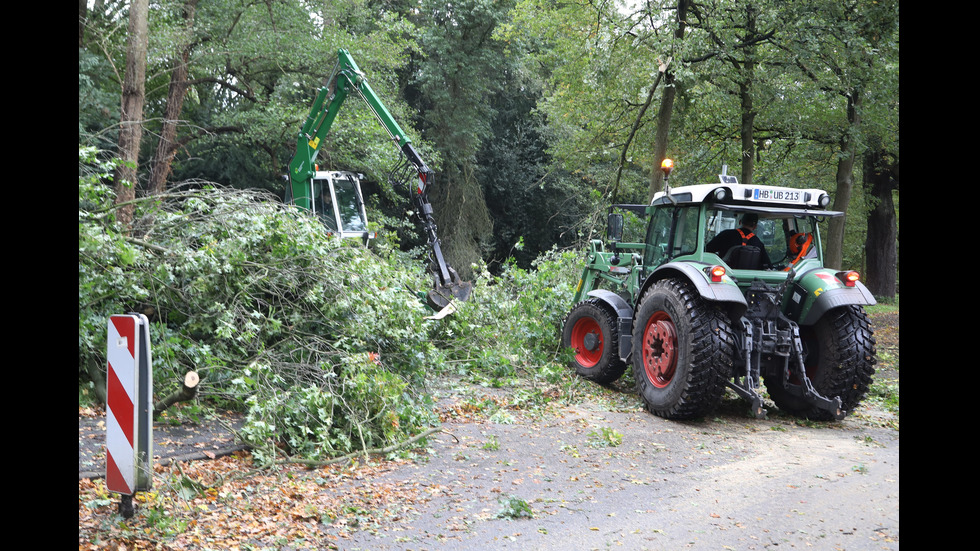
{"type": "Point", "coordinates": [727, 241]}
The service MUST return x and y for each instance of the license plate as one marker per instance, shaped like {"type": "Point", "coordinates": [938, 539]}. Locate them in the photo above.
{"type": "Point", "coordinates": [778, 195]}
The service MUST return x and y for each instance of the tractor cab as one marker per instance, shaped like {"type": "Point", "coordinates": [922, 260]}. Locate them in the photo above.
{"type": "Point", "coordinates": [786, 222]}
{"type": "Point", "coordinates": [788, 237]}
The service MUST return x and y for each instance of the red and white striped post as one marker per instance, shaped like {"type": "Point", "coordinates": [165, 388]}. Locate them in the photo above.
{"type": "Point", "coordinates": [129, 405]}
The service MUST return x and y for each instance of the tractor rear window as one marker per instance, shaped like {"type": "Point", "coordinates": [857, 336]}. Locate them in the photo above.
{"type": "Point", "coordinates": [721, 220]}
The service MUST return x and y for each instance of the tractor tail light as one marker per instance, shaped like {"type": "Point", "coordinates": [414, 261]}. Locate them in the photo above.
{"type": "Point", "coordinates": [849, 278]}
{"type": "Point", "coordinates": [715, 273]}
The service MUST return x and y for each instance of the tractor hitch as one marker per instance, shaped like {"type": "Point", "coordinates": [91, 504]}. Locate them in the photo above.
{"type": "Point", "coordinates": [772, 348]}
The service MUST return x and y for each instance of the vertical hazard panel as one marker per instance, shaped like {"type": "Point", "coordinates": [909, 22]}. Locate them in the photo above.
{"type": "Point", "coordinates": [122, 354]}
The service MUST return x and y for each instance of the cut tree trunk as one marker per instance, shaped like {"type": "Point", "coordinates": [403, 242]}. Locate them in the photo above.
{"type": "Point", "coordinates": [187, 392]}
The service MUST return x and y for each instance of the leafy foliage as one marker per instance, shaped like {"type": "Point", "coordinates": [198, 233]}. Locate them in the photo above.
{"type": "Point", "coordinates": [513, 507]}
{"type": "Point", "coordinates": [512, 324]}
{"type": "Point", "coordinates": [265, 306]}
{"type": "Point", "coordinates": [322, 342]}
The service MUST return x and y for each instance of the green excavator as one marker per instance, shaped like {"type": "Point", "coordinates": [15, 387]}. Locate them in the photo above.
{"type": "Point", "coordinates": [336, 195]}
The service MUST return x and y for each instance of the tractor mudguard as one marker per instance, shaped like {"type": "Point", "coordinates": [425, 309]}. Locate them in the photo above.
{"type": "Point", "coordinates": [624, 318]}
{"type": "Point", "coordinates": [726, 291]}
{"type": "Point", "coordinates": [622, 308]}
{"type": "Point", "coordinates": [817, 291]}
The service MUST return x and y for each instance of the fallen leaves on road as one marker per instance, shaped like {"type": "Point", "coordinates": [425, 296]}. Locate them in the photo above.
{"type": "Point", "coordinates": [222, 504]}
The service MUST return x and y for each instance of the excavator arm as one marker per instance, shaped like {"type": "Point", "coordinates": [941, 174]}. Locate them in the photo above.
{"type": "Point", "coordinates": [348, 79]}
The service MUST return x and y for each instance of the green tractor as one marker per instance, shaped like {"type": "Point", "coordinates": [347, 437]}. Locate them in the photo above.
{"type": "Point", "coordinates": [727, 290]}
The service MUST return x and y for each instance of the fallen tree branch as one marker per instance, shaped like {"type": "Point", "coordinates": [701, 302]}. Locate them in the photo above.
{"type": "Point", "coordinates": [388, 449]}
{"type": "Point", "coordinates": [146, 245]}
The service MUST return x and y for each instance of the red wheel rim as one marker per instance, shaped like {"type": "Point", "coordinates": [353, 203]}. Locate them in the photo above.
{"type": "Point", "coordinates": [584, 328]}
{"type": "Point", "coordinates": [660, 350]}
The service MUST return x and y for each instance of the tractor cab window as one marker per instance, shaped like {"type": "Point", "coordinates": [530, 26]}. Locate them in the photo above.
{"type": "Point", "coordinates": [671, 233]}
{"type": "Point", "coordinates": [769, 229]}
{"type": "Point", "coordinates": [797, 240]}
{"type": "Point", "coordinates": [784, 237]}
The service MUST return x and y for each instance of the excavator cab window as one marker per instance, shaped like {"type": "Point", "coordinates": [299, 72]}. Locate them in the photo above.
{"type": "Point", "coordinates": [323, 204]}
{"type": "Point", "coordinates": [337, 201]}
{"type": "Point", "coordinates": [349, 206]}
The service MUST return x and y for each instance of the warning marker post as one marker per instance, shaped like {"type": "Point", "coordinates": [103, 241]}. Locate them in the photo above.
{"type": "Point", "coordinates": [129, 409]}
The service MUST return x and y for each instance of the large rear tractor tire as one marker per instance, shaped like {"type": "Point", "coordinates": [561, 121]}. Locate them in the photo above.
{"type": "Point", "coordinates": [590, 331]}
{"type": "Point", "coordinates": [683, 351]}
{"type": "Point", "coordinates": [839, 358]}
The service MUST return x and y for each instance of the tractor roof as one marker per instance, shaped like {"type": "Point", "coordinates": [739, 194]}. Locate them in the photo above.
{"type": "Point", "coordinates": [730, 194]}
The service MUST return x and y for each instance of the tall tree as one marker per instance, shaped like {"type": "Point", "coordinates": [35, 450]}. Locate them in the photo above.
{"type": "Point", "coordinates": [837, 48]}
{"type": "Point", "coordinates": [881, 246]}
{"type": "Point", "coordinates": [131, 123]}
{"type": "Point", "coordinates": [745, 67]}
{"type": "Point", "coordinates": [666, 110]}
{"type": "Point", "coordinates": [177, 91]}
{"type": "Point", "coordinates": [462, 68]}
{"type": "Point", "coordinates": [601, 71]}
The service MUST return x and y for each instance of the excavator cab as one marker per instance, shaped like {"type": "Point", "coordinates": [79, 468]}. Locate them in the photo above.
{"type": "Point", "coordinates": [336, 199]}
{"type": "Point", "coordinates": [342, 209]}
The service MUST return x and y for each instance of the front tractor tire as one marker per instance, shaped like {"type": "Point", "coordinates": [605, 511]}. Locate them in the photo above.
{"type": "Point", "coordinates": [683, 351]}
{"type": "Point", "coordinates": [839, 358]}
{"type": "Point", "coordinates": [590, 331]}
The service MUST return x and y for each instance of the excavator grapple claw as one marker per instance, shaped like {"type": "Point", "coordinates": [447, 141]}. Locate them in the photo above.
{"type": "Point", "coordinates": [443, 293]}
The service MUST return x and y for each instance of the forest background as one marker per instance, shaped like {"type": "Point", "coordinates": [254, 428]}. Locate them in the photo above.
{"type": "Point", "coordinates": [535, 115]}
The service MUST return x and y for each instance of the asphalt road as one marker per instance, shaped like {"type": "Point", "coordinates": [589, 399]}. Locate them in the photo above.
{"type": "Point", "coordinates": [184, 441]}
{"type": "Point", "coordinates": [731, 482]}
{"type": "Point", "coordinates": [728, 483]}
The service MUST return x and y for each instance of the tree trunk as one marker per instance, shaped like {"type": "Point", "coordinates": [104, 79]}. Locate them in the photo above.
{"type": "Point", "coordinates": [748, 121]}
{"type": "Point", "coordinates": [662, 136]}
{"type": "Point", "coordinates": [881, 244]}
{"type": "Point", "coordinates": [82, 16]}
{"type": "Point", "coordinates": [834, 255]}
{"type": "Point", "coordinates": [96, 374]}
{"type": "Point", "coordinates": [167, 146]}
{"type": "Point", "coordinates": [131, 121]}
{"type": "Point", "coordinates": [745, 92]}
